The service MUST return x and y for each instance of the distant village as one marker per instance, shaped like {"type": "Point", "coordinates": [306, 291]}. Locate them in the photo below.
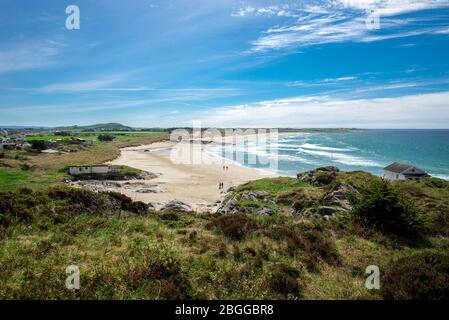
{"type": "Point", "coordinates": [23, 140]}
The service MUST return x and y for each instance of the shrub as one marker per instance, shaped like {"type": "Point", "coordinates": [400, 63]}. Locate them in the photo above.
{"type": "Point", "coordinates": [137, 207]}
{"type": "Point", "coordinates": [325, 178]}
{"type": "Point", "coordinates": [38, 145]}
{"type": "Point", "coordinates": [126, 203]}
{"type": "Point", "coordinates": [169, 216]}
{"type": "Point", "coordinates": [19, 207]}
{"type": "Point", "coordinates": [382, 206]}
{"type": "Point", "coordinates": [424, 275]}
{"type": "Point", "coordinates": [106, 137]}
{"type": "Point", "coordinates": [82, 201]}
{"type": "Point", "coordinates": [286, 280]}
{"type": "Point", "coordinates": [236, 226]}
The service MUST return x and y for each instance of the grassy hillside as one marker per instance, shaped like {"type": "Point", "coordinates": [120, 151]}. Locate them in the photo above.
{"type": "Point", "coordinates": [99, 126]}
{"type": "Point", "coordinates": [126, 251]}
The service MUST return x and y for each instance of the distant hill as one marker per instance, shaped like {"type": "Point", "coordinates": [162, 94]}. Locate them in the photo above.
{"type": "Point", "coordinates": [99, 127]}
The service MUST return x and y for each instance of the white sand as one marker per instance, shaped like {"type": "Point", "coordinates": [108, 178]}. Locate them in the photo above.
{"type": "Point", "coordinates": [194, 184]}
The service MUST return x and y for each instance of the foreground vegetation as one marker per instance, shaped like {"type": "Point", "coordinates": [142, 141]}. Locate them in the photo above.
{"type": "Point", "coordinates": [126, 251]}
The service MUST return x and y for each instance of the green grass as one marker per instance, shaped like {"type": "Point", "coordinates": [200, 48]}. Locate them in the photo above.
{"type": "Point", "coordinates": [121, 135]}
{"type": "Point", "coordinates": [12, 179]}
{"type": "Point", "coordinates": [274, 185]}
{"type": "Point", "coordinates": [63, 138]}
{"type": "Point", "coordinates": [174, 255]}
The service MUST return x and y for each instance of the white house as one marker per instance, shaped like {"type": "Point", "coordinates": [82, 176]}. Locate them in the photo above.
{"type": "Point", "coordinates": [96, 169]}
{"type": "Point", "coordinates": [400, 171]}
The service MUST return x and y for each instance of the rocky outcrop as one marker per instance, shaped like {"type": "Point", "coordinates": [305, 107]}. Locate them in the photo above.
{"type": "Point", "coordinates": [320, 176]}
{"type": "Point", "coordinates": [177, 206]}
{"type": "Point", "coordinates": [231, 206]}
{"type": "Point", "coordinates": [339, 196]}
{"type": "Point", "coordinates": [319, 212]}
{"type": "Point", "coordinates": [266, 212]}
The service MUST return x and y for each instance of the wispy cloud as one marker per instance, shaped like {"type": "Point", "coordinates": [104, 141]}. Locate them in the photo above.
{"type": "Point", "coordinates": [274, 10]}
{"type": "Point", "coordinates": [28, 56]}
{"type": "Point", "coordinates": [343, 21]}
{"type": "Point", "coordinates": [411, 111]}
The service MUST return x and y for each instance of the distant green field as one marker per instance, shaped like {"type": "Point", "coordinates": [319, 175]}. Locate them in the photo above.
{"type": "Point", "coordinates": [94, 135]}
{"type": "Point", "coordinates": [128, 133]}
{"type": "Point", "coordinates": [53, 137]}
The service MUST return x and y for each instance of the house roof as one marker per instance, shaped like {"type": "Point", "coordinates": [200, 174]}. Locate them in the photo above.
{"type": "Point", "coordinates": [401, 167]}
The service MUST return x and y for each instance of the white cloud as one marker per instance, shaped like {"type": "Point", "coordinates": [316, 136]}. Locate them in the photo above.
{"type": "Point", "coordinates": [412, 111]}
{"type": "Point", "coordinates": [28, 56]}
{"type": "Point", "coordinates": [340, 79]}
{"type": "Point", "coordinates": [394, 7]}
{"type": "Point", "coordinates": [346, 20]}
{"type": "Point", "coordinates": [275, 10]}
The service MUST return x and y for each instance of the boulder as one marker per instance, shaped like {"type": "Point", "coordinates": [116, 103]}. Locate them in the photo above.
{"type": "Point", "coordinates": [151, 206]}
{"type": "Point", "coordinates": [307, 212]}
{"type": "Point", "coordinates": [229, 206]}
{"type": "Point", "coordinates": [339, 196]}
{"type": "Point", "coordinates": [255, 195]}
{"type": "Point", "coordinates": [266, 212]}
{"type": "Point", "coordinates": [177, 206]}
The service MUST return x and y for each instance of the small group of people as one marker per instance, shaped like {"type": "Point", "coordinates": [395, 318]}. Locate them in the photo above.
{"type": "Point", "coordinates": [221, 185]}
{"type": "Point", "coordinates": [225, 168]}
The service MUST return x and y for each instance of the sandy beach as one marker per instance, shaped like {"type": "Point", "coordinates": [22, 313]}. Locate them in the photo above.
{"type": "Point", "coordinates": [177, 179]}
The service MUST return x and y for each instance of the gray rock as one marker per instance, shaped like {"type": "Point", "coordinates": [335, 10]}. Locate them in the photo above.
{"type": "Point", "coordinates": [229, 206]}
{"type": "Point", "coordinates": [178, 206]}
{"type": "Point", "coordinates": [255, 195]}
{"type": "Point", "coordinates": [266, 212]}
{"type": "Point", "coordinates": [319, 176]}
{"type": "Point", "coordinates": [325, 211]}
{"type": "Point", "coordinates": [151, 206]}
{"type": "Point", "coordinates": [339, 197]}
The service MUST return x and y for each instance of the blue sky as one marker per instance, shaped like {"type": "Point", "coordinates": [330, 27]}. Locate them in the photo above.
{"type": "Point", "coordinates": [226, 63]}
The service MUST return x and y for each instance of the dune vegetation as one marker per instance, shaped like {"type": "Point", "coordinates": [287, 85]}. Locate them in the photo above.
{"type": "Point", "coordinates": [271, 239]}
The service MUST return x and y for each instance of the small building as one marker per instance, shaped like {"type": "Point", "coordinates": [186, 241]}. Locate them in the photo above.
{"type": "Point", "coordinates": [95, 169]}
{"type": "Point", "coordinates": [401, 171]}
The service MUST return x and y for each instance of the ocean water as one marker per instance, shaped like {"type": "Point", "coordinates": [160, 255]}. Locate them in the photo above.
{"type": "Point", "coordinates": [368, 150]}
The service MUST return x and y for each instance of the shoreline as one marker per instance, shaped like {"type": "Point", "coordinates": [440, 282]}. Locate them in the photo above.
{"type": "Point", "coordinates": [195, 184]}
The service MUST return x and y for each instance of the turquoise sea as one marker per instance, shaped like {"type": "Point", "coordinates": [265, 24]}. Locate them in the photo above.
{"type": "Point", "coordinates": [368, 150]}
